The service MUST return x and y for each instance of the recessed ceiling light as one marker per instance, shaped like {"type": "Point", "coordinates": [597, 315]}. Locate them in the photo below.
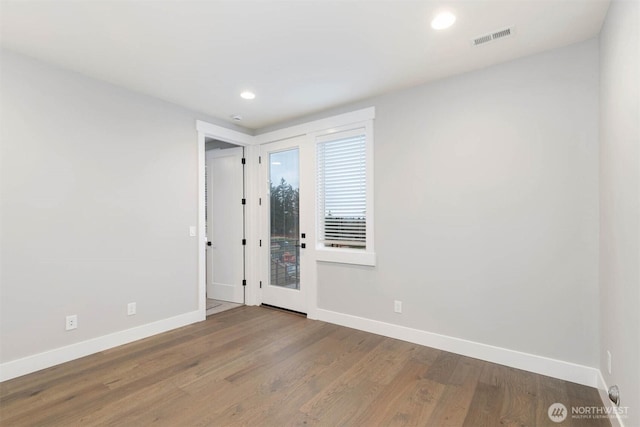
{"type": "Point", "coordinates": [443, 20]}
{"type": "Point", "coordinates": [248, 95]}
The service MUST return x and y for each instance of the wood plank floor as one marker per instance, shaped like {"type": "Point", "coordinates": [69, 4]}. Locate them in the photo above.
{"type": "Point", "coordinates": [259, 367]}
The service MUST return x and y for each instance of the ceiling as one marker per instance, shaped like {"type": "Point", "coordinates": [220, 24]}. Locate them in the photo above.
{"type": "Point", "coordinates": [299, 57]}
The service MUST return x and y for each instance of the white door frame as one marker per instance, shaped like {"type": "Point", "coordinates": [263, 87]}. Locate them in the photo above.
{"type": "Point", "coordinates": [255, 257]}
{"type": "Point", "coordinates": [237, 138]}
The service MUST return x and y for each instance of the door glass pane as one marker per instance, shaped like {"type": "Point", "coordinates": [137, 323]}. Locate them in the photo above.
{"type": "Point", "coordinates": [284, 177]}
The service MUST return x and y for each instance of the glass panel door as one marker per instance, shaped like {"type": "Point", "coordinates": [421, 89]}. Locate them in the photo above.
{"type": "Point", "coordinates": [284, 217]}
{"type": "Point", "coordinates": [287, 261]}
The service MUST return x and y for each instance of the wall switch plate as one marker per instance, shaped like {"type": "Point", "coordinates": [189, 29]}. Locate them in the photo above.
{"type": "Point", "coordinates": [192, 231]}
{"type": "Point", "coordinates": [131, 309]}
{"type": "Point", "coordinates": [72, 322]}
{"type": "Point", "coordinates": [397, 306]}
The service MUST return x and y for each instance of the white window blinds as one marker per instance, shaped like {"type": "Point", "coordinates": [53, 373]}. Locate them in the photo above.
{"type": "Point", "coordinates": [341, 192]}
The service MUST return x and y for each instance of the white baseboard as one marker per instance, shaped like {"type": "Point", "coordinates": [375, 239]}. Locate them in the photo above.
{"type": "Point", "coordinates": [529, 362]}
{"type": "Point", "coordinates": [541, 365]}
{"type": "Point", "coordinates": [26, 365]}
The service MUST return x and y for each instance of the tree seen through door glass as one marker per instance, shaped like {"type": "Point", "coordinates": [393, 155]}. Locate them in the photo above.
{"type": "Point", "coordinates": [284, 180]}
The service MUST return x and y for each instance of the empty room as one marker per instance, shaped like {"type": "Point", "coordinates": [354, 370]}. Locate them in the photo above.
{"type": "Point", "coordinates": [328, 213]}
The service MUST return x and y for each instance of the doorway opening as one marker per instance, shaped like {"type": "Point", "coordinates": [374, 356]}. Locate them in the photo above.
{"type": "Point", "coordinates": [225, 228]}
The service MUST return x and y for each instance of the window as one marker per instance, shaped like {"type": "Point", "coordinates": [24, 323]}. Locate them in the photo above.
{"type": "Point", "coordinates": [343, 196]}
{"type": "Point", "coordinates": [342, 189]}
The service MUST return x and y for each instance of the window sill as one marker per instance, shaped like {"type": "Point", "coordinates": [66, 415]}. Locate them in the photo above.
{"type": "Point", "coordinates": [346, 256]}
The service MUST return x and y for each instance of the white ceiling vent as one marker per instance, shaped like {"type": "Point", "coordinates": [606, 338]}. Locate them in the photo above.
{"type": "Point", "coordinates": [486, 38]}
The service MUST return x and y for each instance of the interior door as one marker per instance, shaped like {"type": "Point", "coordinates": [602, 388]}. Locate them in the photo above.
{"type": "Point", "coordinates": [225, 225]}
{"type": "Point", "coordinates": [287, 249]}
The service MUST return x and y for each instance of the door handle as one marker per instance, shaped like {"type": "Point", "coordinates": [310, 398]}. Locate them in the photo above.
{"type": "Point", "coordinates": [208, 243]}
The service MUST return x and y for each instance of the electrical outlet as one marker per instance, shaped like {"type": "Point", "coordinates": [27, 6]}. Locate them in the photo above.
{"type": "Point", "coordinates": [72, 322]}
{"type": "Point", "coordinates": [609, 362]}
{"type": "Point", "coordinates": [131, 309]}
{"type": "Point", "coordinates": [397, 306]}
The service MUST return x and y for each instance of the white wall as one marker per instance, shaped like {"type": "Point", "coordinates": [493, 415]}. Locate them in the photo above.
{"type": "Point", "coordinates": [99, 188]}
{"type": "Point", "coordinates": [620, 201]}
{"type": "Point", "coordinates": [486, 209]}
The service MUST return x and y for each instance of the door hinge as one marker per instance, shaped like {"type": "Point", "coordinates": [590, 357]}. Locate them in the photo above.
{"type": "Point", "coordinates": [260, 242]}
{"type": "Point", "coordinates": [244, 282]}
{"type": "Point", "coordinates": [260, 284]}
{"type": "Point", "coordinates": [244, 201]}
{"type": "Point", "coordinates": [260, 201]}
{"type": "Point", "coordinates": [260, 159]}
{"type": "Point", "coordinates": [244, 161]}
{"type": "Point", "coordinates": [244, 242]}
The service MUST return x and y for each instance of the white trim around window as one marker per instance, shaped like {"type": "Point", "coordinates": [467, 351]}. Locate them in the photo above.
{"type": "Point", "coordinates": [360, 256]}
{"type": "Point", "coordinates": [326, 126]}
